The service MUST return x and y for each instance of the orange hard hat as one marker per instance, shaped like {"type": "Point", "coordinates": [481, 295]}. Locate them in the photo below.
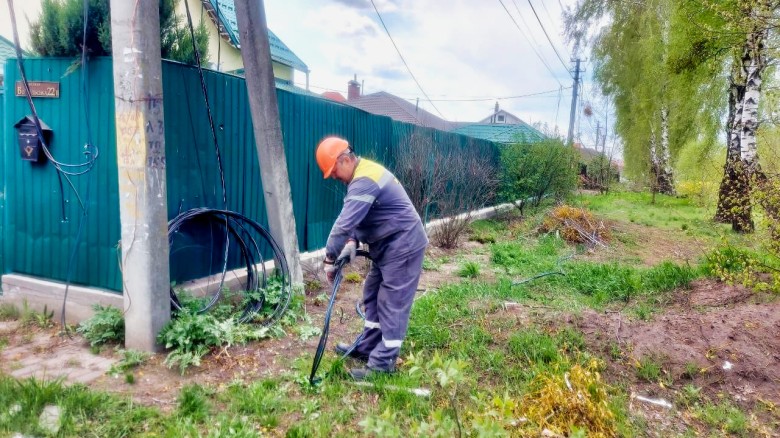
{"type": "Point", "coordinates": [328, 151]}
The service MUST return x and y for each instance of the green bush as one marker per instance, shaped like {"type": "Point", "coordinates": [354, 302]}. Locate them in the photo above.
{"type": "Point", "coordinates": [106, 325]}
{"type": "Point", "coordinates": [537, 170]}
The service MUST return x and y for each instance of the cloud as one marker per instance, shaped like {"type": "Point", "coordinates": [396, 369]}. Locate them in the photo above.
{"type": "Point", "coordinates": [382, 5]}
{"type": "Point", "coordinates": [341, 23]}
{"type": "Point", "coordinates": [457, 49]}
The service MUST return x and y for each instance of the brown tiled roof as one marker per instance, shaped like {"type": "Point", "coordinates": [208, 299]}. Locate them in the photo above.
{"type": "Point", "coordinates": [396, 108]}
{"type": "Point", "coordinates": [334, 95]}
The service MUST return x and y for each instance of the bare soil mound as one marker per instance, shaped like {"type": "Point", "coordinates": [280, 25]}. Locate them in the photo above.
{"type": "Point", "coordinates": [729, 335]}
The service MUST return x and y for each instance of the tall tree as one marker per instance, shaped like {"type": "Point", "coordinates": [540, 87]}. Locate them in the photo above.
{"type": "Point", "coordinates": [60, 28]}
{"type": "Point", "coordinates": [737, 34]}
{"type": "Point", "coordinates": [631, 55]}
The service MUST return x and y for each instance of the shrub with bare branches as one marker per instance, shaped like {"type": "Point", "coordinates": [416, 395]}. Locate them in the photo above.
{"type": "Point", "coordinates": [446, 180]}
{"type": "Point", "coordinates": [420, 168]}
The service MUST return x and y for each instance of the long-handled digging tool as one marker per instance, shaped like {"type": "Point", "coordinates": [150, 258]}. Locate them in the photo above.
{"type": "Point", "coordinates": [339, 265]}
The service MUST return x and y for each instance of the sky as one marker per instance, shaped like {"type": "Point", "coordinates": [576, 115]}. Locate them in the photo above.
{"type": "Point", "coordinates": [459, 51]}
{"type": "Point", "coordinates": [465, 55]}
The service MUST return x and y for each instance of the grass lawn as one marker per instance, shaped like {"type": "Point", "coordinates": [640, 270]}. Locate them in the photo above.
{"type": "Point", "coordinates": [516, 333]}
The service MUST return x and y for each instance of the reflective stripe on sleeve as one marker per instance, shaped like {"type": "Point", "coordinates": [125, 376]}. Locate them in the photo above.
{"type": "Point", "coordinates": [368, 199]}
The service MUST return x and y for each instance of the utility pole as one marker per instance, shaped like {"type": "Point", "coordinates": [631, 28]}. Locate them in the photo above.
{"type": "Point", "coordinates": [573, 112]}
{"type": "Point", "coordinates": [598, 135]}
{"type": "Point", "coordinates": [140, 143]}
{"type": "Point", "coordinates": [256, 52]}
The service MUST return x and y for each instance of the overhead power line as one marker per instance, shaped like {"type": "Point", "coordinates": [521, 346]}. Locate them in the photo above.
{"type": "Point", "coordinates": [404, 60]}
{"type": "Point", "coordinates": [483, 99]}
{"type": "Point", "coordinates": [548, 36]}
{"type": "Point", "coordinates": [538, 55]}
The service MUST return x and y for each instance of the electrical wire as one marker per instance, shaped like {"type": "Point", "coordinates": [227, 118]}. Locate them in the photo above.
{"type": "Point", "coordinates": [73, 259]}
{"type": "Point", "coordinates": [339, 265]}
{"type": "Point", "coordinates": [244, 231]}
{"type": "Point", "coordinates": [404, 60]}
{"type": "Point", "coordinates": [559, 271]}
{"type": "Point", "coordinates": [548, 37]}
{"type": "Point", "coordinates": [538, 55]}
{"type": "Point", "coordinates": [63, 169]}
{"type": "Point", "coordinates": [206, 99]}
{"type": "Point", "coordinates": [486, 99]}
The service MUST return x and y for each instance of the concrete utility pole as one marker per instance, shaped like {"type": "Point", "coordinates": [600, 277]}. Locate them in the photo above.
{"type": "Point", "coordinates": [573, 112]}
{"type": "Point", "coordinates": [140, 143]}
{"type": "Point", "coordinates": [261, 87]}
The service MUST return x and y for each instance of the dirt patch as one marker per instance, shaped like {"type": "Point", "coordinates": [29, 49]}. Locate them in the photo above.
{"type": "Point", "coordinates": [728, 334]}
{"type": "Point", "coordinates": [647, 246]}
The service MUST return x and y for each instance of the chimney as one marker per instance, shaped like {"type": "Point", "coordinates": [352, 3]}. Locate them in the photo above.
{"type": "Point", "coordinates": [353, 89]}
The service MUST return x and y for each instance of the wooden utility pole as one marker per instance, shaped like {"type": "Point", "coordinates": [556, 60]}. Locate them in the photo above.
{"type": "Point", "coordinates": [140, 143]}
{"type": "Point", "coordinates": [261, 87]}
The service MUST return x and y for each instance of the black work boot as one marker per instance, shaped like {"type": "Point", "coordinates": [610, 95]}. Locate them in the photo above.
{"type": "Point", "coordinates": [341, 349]}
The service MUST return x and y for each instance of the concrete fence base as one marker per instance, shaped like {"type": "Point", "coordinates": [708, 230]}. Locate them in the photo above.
{"type": "Point", "coordinates": [40, 294]}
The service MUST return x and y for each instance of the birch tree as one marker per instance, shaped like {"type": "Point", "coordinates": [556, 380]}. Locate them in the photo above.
{"type": "Point", "coordinates": [742, 31]}
{"type": "Point", "coordinates": [632, 56]}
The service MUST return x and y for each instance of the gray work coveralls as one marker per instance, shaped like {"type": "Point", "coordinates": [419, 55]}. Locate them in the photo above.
{"type": "Point", "coordinates": [377, 211]}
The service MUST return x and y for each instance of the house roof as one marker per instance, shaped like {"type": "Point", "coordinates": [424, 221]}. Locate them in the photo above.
{"type": "Point", "coordinates": [7, 50]}
{"type": "Point", "coordinates": [509, 118]}
{"type": "Point", "coordinates": [283, 85]}
{"type": "Point", "coordinates": [386, 104]}
{"type": "Point", "coordinates": [335, 96]}
{"type": "Point", "coordinates": [501, 132]}
{"type": "Point", "coordinates": [225, 10]}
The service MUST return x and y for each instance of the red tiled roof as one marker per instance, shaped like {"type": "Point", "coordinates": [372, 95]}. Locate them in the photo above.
{"type": "Point", "coordinates": [334, 95]}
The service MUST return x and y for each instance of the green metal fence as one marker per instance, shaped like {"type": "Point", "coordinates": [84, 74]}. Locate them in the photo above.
{"type": "Point", "coordinates": [41, 216]}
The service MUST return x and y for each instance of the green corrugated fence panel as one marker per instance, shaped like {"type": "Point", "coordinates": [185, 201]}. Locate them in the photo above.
{"type": "Point", "coordinates": [42, 215]}
{"type": "Point", "coordinates": [40, 241]}
{"type": "Point", "coordinates": [3, 145]}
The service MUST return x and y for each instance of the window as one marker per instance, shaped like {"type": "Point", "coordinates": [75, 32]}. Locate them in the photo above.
{"type": "Point", "coordinates": [500, 118]}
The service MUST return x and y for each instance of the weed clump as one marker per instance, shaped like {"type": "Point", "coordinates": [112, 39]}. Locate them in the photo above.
{"type": "Point", "coordinates": [106, 325]}
{"type": "Point", "coordinates": [575, 225]}
{"type": "Point", "coordinates": [565, 403]}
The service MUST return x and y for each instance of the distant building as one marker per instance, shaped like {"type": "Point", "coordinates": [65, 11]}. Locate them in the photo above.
{"type": "Point", "coordinates": [397, 108]}
{"type": "Point", "coordinates": [225, 47]}
{"type": "Point", "coordinates": [7, 50]}
{"type": "Point", "coordinates": [501, 127]}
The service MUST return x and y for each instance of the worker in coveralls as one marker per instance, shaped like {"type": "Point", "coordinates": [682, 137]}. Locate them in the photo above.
{"type": "Point", "coordinates": [377, 211]}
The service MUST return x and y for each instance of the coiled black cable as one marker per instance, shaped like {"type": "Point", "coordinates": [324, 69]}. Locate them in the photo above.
{"type": "Point", "coordinates": [339, 265]}
{"type": "Point", "coordinates": [244, 231]}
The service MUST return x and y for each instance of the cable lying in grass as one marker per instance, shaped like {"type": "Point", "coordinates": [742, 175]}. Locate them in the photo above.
{"type": "Point", "coordinates": [545, 274]}
{"type": "Point", "coordinates": [249, 235]}
{"type": "Point", "coordinates": [326, 325]}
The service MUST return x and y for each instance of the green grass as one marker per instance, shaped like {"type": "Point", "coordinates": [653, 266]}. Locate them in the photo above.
{"type": "Point", "coordinates": [8, 312]}
{"type": "Point", "coordinates": [724, 417]}
{"type": "Point", "coordinates": [649, 369]}
{"type": "Point", "coordinates": [639, 209]}
{"type": "Point", "coordinates": [478, 357]}
{"type": "Point", "coordinates": [469, 270]}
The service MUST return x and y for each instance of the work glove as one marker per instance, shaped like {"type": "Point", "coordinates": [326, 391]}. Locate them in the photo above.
{"type": "Point", "coordinates": [349, 251]}
{"type": "Point", "coordinates": [329, 267]}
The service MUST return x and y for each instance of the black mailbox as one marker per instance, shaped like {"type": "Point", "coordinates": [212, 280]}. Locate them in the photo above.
{"type": "Point", "coordinates": [27, 136]}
